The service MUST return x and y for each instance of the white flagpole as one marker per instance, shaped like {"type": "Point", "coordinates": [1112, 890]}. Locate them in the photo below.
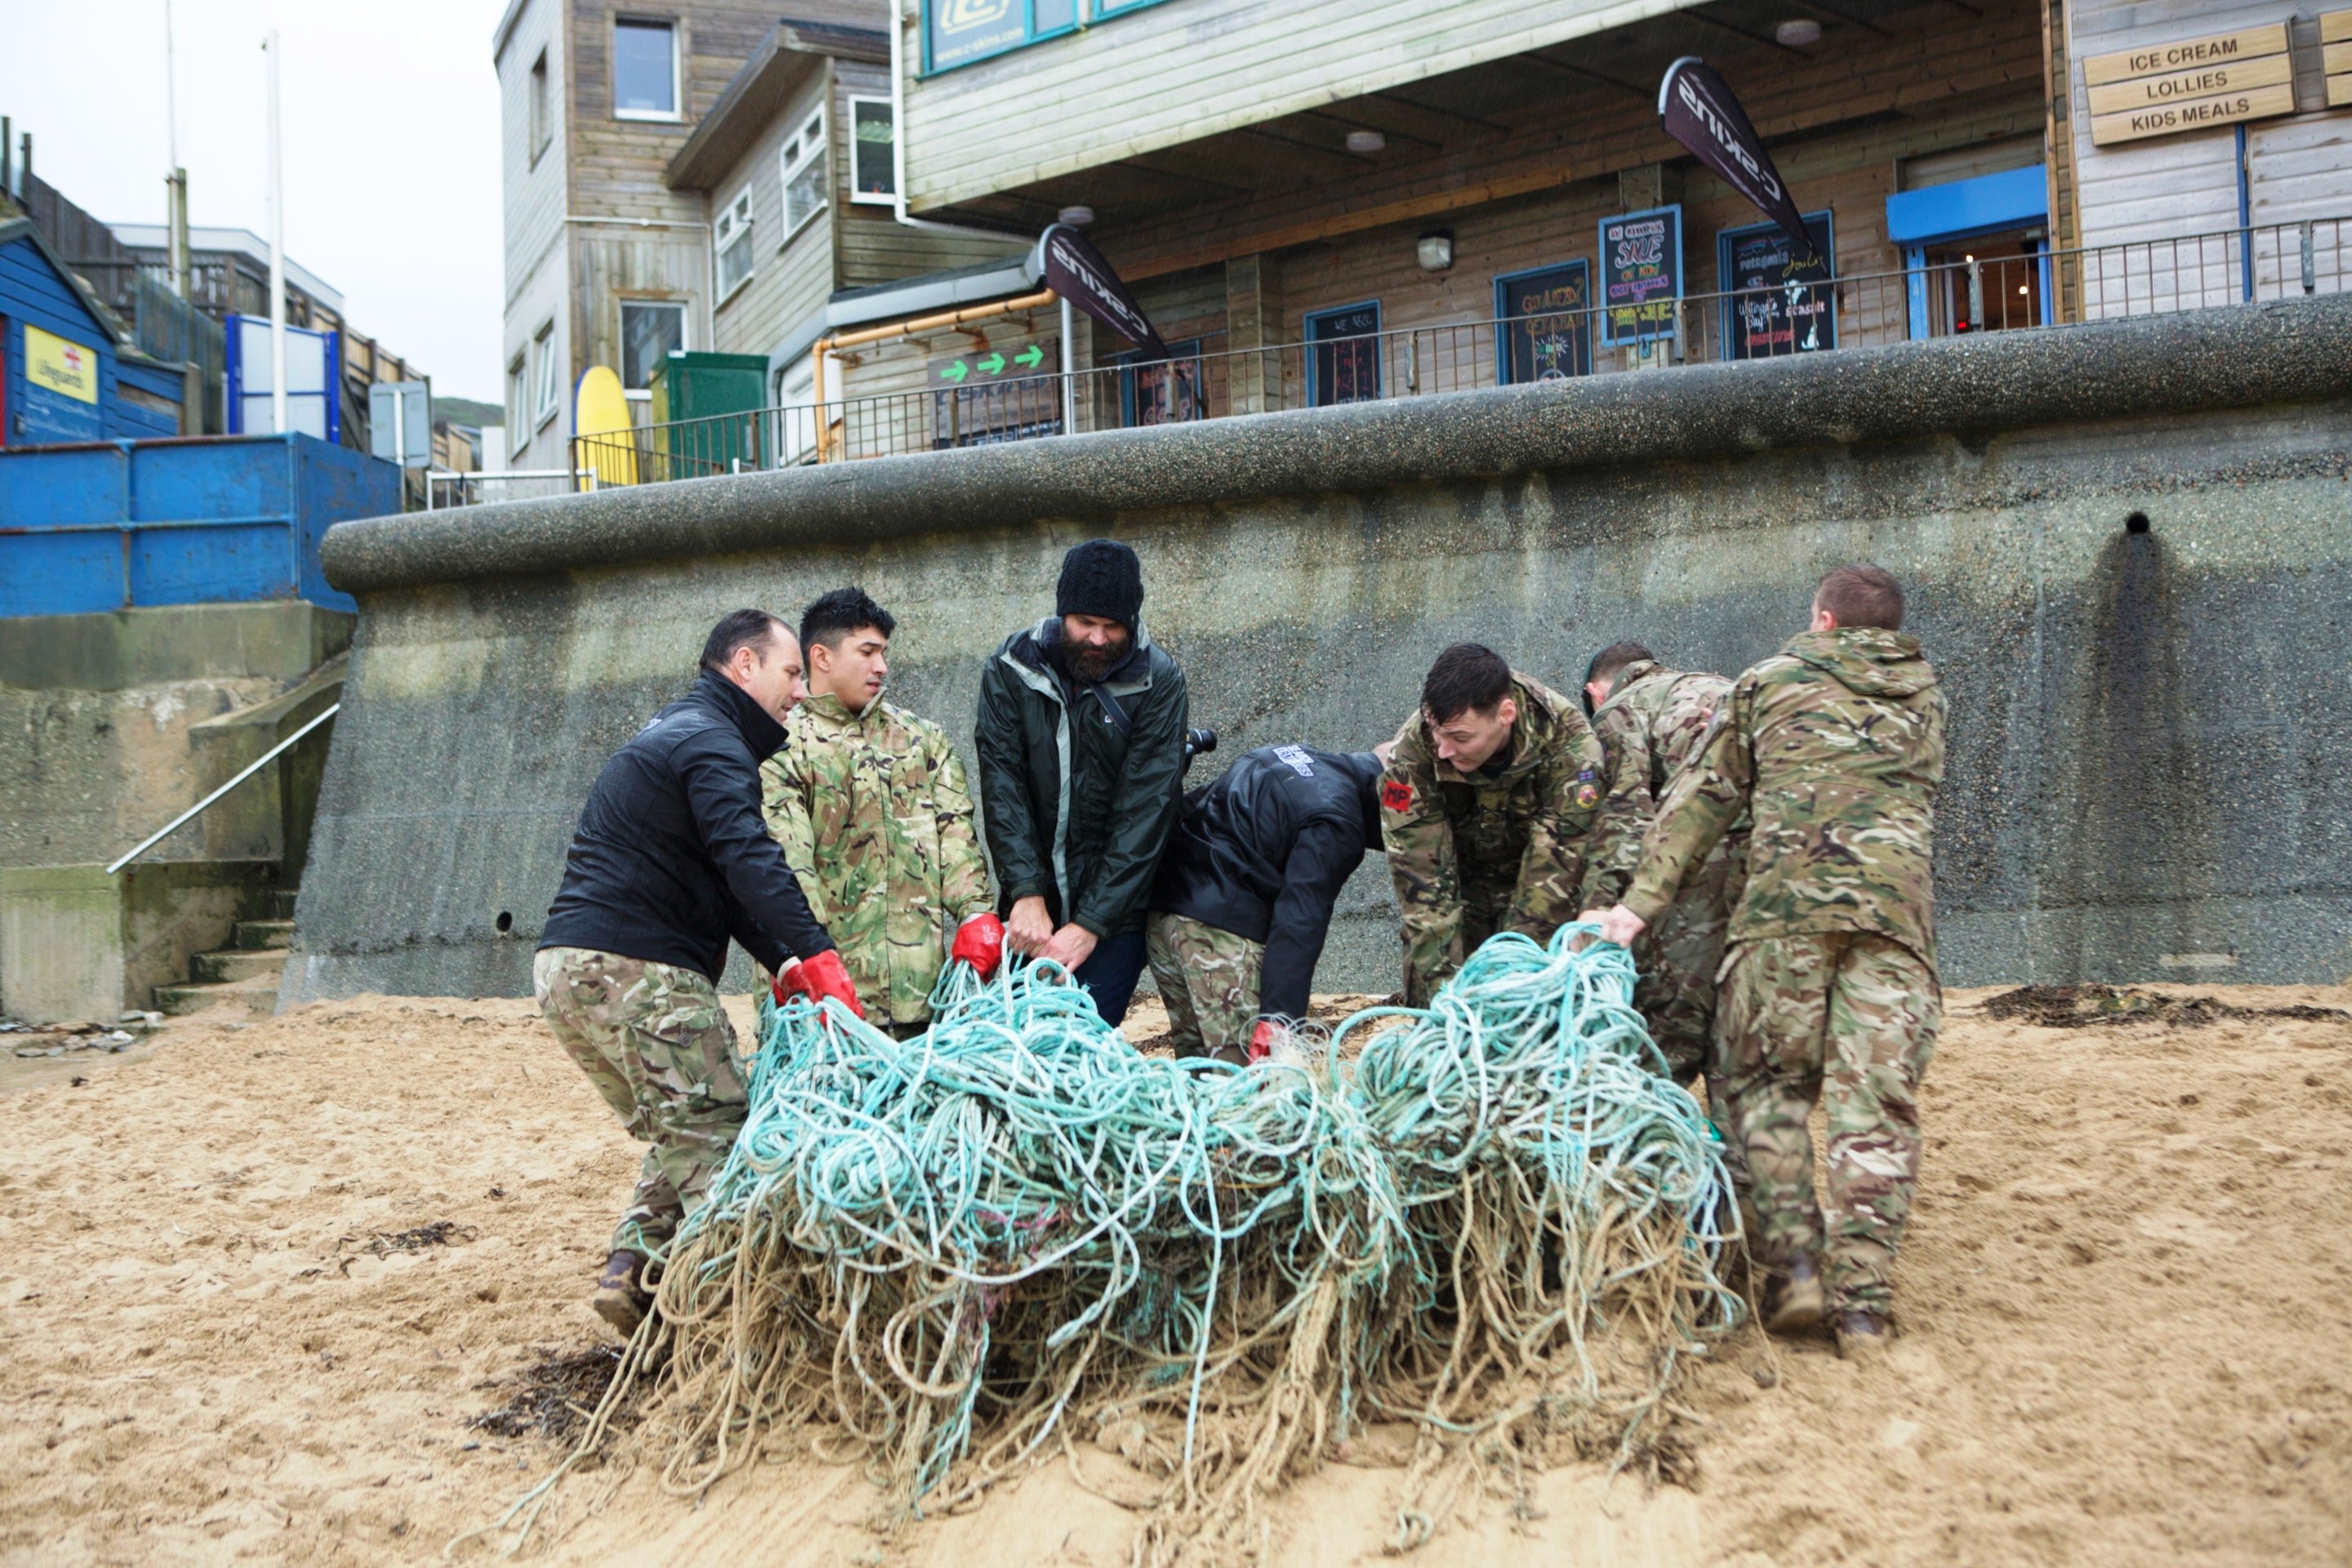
{"type": "Point", "coordinates": [277, 251]}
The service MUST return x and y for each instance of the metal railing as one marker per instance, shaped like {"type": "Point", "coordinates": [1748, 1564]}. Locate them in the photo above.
{"type": "Point", "coordinates": [2049, 289]}
{"type": "Point", "coordinates": [445, 489]}
{"type": "Point", "coordinates": [243, 774]}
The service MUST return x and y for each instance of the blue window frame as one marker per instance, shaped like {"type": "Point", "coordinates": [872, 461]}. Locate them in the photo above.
{"type": "Point", "coordinates": [965, 32]}
{"type": "Point", "coordinates": [1343, 354]}
{"type": "Point", "coordinates": [1543, 324]}
{"type": "Point", "coordinates": [1966, 209]}
{"type": "Point", "coordinates": [1153, 391]}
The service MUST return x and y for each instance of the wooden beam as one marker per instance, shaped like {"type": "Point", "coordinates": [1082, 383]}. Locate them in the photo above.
{"type": "Point", "coordinates": [1536, 57]}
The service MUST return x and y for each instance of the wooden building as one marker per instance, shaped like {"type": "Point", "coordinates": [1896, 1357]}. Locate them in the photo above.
{"type": "Point", "coordinates": [1328, 200]}
{"type": "Point", "coordinates": [609, 261]}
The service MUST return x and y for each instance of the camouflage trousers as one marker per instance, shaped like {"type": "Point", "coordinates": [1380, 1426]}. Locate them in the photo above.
{"type": "Point", "coordinates": [1851, 1019]}
{"type": "Point", "coordinates": [1210, 980]}
{"type": "Point", "coordinates": [1485, 906]}
{"type": "Point", "coordinates": [655, 1042]}
{"type": "Point", "coordinates": [1680, 958]}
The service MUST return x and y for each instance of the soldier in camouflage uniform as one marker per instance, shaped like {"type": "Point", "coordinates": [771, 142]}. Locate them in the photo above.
{"type": "Point", "coordinates": [1650, 720]}
{"type": "Point", "coordinates": [869, 802]}
{"type": "Point", "coordinates": [1486, 804]}
{"type": "Point", "coordinates": [1836, 745]}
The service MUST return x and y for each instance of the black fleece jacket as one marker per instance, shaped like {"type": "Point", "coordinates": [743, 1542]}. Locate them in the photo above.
{"type": "Point", "coordinates": [1263, 851]}
{"type": "Point", "coordinates": [672, 857]}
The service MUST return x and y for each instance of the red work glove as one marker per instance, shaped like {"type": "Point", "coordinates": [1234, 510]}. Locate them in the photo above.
{"type": "Point", "coordinates": [1261, 1041]}
{"type": "Point", "coordinates": [824, 976]}
{"type": "Point", "coordinates": [786, 983]}
{"type": "Point", "coordinates": [979, 942]}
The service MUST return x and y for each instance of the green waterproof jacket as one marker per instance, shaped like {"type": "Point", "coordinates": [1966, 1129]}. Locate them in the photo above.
{"type": "Point", "coordinates": [1080, 784]}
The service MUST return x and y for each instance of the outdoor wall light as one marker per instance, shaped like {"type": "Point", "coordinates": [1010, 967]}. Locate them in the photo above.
{"type": "Point", "coordinates": [1077, 217]}
{"type": "Point", "coordinates": [1435, 249]}
{"type": "Point", "coordinates": [1797, 34]}
{"type": "Point", "coordinates": [1366, 141]}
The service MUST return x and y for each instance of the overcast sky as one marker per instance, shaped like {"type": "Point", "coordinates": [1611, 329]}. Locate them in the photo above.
{"type": "Point", "coordinates": [391, 131]}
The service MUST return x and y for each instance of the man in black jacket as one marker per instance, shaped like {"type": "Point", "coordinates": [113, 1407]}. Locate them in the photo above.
{"type": "Point", "coordinates": [671, 860]}
{"type": "Point", "coordinates": [1075, 849]}
{"type": "Point", "coordinates": [1245, 894]}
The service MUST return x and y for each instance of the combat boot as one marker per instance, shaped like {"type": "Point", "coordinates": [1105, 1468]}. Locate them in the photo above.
{"type": "Point", "coordinates": [1794, 1302]}
{"type": "Point", "coordinates": [1862, 1332]}
{"type": "Point", "coordinates": [622, 1299]}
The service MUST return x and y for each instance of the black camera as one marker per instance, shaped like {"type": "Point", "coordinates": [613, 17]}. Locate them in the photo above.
{"type": "Point", "coordinates": [1197, 742]}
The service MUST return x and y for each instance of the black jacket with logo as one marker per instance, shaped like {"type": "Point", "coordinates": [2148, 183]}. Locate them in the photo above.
{"type": "Point", "coordinates": [1079, 781]}
{"type": "Point", "coordinates": [1263, 851]}
{"type": "Point", "coordinates": [672, 857]}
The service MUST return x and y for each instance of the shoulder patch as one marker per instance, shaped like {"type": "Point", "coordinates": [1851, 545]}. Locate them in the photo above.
{"type": "Point", "coordinates": [1588, 795]}
{"type": "Point", "coordinates": [1397, 796]}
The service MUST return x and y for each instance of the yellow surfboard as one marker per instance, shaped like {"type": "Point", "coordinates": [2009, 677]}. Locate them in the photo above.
{"type": "Point", "coordinates": [599, 420]}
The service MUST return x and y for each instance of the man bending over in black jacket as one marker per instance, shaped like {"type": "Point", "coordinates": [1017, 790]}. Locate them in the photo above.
{"type": "Point", "coordinates": [1244, 897]}
{"type": "Point", "coordinates": [671, 859]}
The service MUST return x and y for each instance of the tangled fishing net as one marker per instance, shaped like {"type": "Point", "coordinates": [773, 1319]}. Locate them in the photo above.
{"type": "Point", "coordinates": [1495, 1219]}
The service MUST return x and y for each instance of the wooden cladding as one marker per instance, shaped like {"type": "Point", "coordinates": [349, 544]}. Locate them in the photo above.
{"type": "Point", "coordinates": [2336, 55]}
{"type": "Point", "coordinates": [2219, 79]}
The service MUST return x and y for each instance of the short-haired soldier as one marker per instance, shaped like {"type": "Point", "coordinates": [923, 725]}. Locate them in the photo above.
{"type": "Point", "coordinates": [869, 802]}
{"type": "Point", "coordinates": [669, 860]}
{"type": "Point", "coordinates": [1486, 806]}
{"type": "Point", "coordinates": [1836, 745]}
{"type": "Point", "coordinates": [1650, 719]}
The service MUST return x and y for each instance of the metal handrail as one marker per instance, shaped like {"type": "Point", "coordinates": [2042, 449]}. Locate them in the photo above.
{"type": "Point", "coordinates": [250, 769]}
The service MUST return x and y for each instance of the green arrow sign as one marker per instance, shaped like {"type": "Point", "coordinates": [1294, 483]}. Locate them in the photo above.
{"type": "Point", "coordinates": [1032, 355]}
{"type": "Point", "coordinates": [955, 373]}
{"type": "Point", "coordinates": [994, 364]}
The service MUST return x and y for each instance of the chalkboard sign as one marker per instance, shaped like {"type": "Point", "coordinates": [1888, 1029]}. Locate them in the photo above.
{"type": "Point", "coordinates": [1343, 362]}
{"type": "Point", "coordinates": [1641, 274]}
{"type": "Point", "coordinates": [1543, 329]}
{"type": "Point", "coordinates": [1774, 306]}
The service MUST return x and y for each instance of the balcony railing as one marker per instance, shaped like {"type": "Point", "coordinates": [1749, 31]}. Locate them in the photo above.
{"type": "Point", "coordinates": [2013, 293]}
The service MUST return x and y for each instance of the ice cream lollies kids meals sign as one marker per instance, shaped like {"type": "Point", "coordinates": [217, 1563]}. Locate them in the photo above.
{"type": "Point", "coordinates": [2218, 78]}
{"type": "Point", "coordinates": [1641, 274]}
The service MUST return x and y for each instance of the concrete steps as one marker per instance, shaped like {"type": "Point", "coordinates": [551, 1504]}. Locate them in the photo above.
{"type": "Point", "coordinates": [244, 976]}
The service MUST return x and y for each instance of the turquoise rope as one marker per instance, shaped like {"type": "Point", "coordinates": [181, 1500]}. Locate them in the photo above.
{"type": "Point", "coordinates": [1031, 1184]}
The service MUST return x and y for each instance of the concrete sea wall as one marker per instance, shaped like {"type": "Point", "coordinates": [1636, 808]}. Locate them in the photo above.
{"type": "Point", "coordinates": [2125, 545]}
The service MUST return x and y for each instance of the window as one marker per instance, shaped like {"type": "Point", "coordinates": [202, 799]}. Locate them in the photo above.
{"type": "Point", "coordinates": [805, 167]}
{"type": "Point", "coordinates": [730, 238]}
{"type": "Point", "coordinates": [650, 328]}
{"type": "Point", "coordinates": [1343, 362]}
{"type": "Point", "coordinates": [547, 379]}
{"type": "Point", "coordinates": [540, 131]}
{"type": "Point", "coordinates": [873, 151]}
{"type": "Point", "coordinates": [645, 70]}
{"type": "Point", "coordinates": [518, 405]}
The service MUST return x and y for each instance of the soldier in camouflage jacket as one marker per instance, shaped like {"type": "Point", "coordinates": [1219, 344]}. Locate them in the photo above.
{"type": "Point", "coordinates": [1650, 720]}
{"type": "Point", "coordinates": [1484, 807]}
{"type": "Point", "coordinates": [870, 803]}
{"type": "Point", "coordinates": [1836, 745]}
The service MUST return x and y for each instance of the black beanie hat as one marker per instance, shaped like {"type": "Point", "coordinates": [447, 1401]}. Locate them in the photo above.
{"type": "Point", "coordinates": [1101, 577]}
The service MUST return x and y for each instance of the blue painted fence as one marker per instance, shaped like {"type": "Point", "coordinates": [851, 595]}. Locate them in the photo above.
{"type": "Point", "coordinates": [107, 525]}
